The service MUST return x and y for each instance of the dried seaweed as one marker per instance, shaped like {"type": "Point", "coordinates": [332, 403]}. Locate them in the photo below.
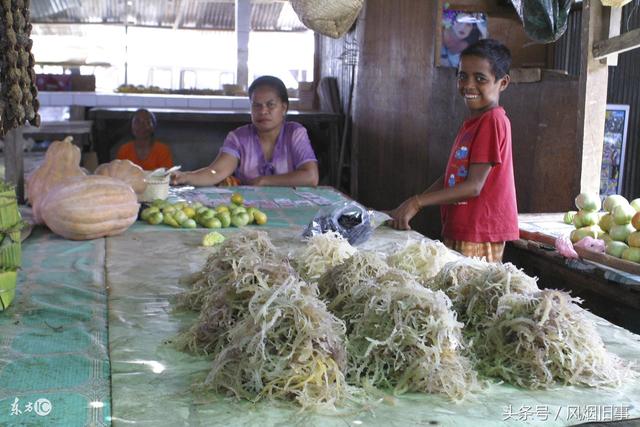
{"type": "Point", "coordinates": [422, 258]}
{"type": "Point", "coordinates": [406, 337]}
{"type": "Point", "coordinates": [287, 346]}
{"type": "Point", "coordinates": [540, 339]}
{"type": "Point", "coordinates": [355, 271]}
{"type": "Point", "coordinates": [322, 252]}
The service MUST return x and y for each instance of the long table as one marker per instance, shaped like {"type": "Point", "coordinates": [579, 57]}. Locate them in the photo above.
{"type": "Point", "coordinates": [77, 299]}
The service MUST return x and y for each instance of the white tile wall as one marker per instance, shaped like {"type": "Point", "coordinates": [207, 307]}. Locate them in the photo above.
{"type": "Point", "coordinates": [176, 102]}
{"type": "Point", "coordinates": [90, 99]}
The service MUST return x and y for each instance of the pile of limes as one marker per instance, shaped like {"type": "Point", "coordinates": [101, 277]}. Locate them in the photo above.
{"type": "Point", "coordinates": [191, 215]}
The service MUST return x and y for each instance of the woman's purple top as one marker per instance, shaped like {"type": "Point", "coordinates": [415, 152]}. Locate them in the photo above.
{"type": "Point", "coordinates": [292, 149]}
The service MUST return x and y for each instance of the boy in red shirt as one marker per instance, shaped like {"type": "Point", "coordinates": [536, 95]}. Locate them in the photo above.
{"type": "Point", "coordinates": [477, 192]}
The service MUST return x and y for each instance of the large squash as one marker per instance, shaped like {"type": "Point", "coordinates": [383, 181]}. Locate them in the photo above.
{"type": "Point", "coordinates": [88, 207]}
{"type": "Point", "coordinates": [127, 171]}
{"type": "Point", "coordinates": [61, 161]}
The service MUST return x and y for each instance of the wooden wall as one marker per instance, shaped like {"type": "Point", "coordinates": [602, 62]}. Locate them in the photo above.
{"type": "Point", "coordinates": [407, 113]}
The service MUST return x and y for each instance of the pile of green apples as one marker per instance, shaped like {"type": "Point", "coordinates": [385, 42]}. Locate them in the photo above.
{"type": "Point", "coordinates": [618, 225]}
{"type": "Point", "coordinates": [192, 215]}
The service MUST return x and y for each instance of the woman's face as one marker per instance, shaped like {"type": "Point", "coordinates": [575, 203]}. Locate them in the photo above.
{"type": "Point", "coordinates": [267, 109]}
{"type": "Point", "coordinates": [142, 125]}
{"type": "Point", "coordinates": [462, 29]}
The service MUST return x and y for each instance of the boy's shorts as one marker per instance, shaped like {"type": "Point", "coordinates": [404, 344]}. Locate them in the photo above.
{"type": "Point", "coordinates": [491, 251]}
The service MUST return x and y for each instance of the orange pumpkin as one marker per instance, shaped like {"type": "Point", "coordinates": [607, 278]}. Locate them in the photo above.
{"type": "Point", "coordinates": [126, 171]}
{"type": "Point", "coordinates": [61, 161]}
{"type": "Point", "coordinates": [89, 207]}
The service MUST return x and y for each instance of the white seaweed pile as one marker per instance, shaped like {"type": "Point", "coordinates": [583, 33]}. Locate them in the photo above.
{"type": "Point", "coordinates": [236, 259]}
{"type": "Point", "coordinates": [267, 330]}
{"type": "Point", "coordinates": [354, 274]}
{"type": "Point", "coordinates": [405, 337]}
{"type": "Point", "coordinates": [287, 345]}
{"type": "Point", "coordinates": [537, 340]}
{"type": "Point", "coordinates": [422, 258]}
{"type": "Point", "coordinates": [322, 252]}
{"type": "Point", "coordinates": [475, 286]}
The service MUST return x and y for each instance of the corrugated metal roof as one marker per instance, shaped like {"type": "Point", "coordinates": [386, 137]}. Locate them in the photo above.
{"type": "Point", "coordinates": [266, 15]}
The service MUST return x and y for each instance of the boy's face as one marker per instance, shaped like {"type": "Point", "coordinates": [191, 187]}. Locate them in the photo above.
{"type": "Point", "coordinates": [478, 85]}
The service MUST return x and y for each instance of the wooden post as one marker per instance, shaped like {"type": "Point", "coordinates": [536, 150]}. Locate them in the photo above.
{"type": "Point", "coordinates": [13, 162]}
{"type": "Point", "coordinates": [243, 26]}
{"type": "Point", "coordinates": [592, 97]}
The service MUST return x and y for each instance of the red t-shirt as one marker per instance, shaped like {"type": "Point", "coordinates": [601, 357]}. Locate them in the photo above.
{"type": "Point", "coordinates": [493, 215]}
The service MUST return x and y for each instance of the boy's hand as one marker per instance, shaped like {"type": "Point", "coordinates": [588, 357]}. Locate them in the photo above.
{"type": "Point", "coordinates": [404, 213]}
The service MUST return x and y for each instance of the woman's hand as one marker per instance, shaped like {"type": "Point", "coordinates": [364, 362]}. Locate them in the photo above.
{"type": "Point", "coordinates": [404, 213]}
{"type": "Point", "coordinates": [179, 178]}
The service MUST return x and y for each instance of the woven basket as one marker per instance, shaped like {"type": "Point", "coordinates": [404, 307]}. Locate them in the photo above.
{"type": "Point", "coordinates": [7, 288]}
{"type": "Point", "coordinates": [9, 213]}
{"type": "Point", "coordinates": [10, 249]}
{"type": "Point", "coordinates": [332, 18]}
{"type": "Point", "coordinates": [157, 188]}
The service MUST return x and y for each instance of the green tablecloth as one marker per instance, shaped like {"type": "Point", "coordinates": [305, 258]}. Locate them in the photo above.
{"type": "Point", "coordinates": [63, 283]}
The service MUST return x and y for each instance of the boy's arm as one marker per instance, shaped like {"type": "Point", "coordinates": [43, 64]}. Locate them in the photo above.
{"type": "Point", "coordinates": [471, 187]}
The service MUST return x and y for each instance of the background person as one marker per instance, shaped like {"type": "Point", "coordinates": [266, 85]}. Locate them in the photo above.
{"type": "Point", "coordinates": [269, 151]}
{"type": "Point", "coordinates": [145, 150]}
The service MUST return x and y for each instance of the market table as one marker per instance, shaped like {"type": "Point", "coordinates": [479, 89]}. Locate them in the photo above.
{"type": "Point", "coordinates": [54, 340]}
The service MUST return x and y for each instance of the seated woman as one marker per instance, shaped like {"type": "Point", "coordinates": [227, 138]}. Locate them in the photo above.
{"type": "Point", "coordinates": [269, 151]}
{"type": "Point", "coordinates": [144, 150]}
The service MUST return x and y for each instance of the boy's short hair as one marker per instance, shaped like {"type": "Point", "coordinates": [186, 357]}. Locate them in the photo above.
{"type": "Point", "coordinates": [273, 83]}
{"type": "Point", "coordinates": [493, 51]}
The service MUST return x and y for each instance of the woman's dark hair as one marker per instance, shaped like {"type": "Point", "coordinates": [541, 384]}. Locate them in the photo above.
{"type": "Point", "coordinates": [273, 83]}
{"type": "Point", "coordinates": [152, 116]}
{"type": "Point", "coordinates": [493, 51]}
{"type": "Point", "coordinates": [474, 35]}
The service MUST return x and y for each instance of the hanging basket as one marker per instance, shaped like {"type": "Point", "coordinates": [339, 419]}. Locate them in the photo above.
{"type": "Point", "coordinates": [7, 288]}
{"type": "Point", "coordinates": [332, 18]}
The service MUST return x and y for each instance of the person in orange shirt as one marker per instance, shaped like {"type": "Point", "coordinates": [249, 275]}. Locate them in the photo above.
{"type": "Point", "coordinates": [145, 151]}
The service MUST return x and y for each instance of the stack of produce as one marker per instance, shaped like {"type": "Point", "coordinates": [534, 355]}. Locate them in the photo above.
{"type": "Point", "coordinates": [76, 206]}
{"type": "Point", "coordinates": [191, 215]}
{"type": "Point", "coordinates": [618, 226]}
{"type": "Point", "coordinates": [10, 247]}
{"type": "Point", "coordinates": [18, 93]}
{"type": "Point", "coordinates": [587, 217]}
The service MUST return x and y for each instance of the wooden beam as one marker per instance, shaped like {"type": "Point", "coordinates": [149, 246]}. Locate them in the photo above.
{"type": "Point", "coordinates": [615, 22]}
{"type": "Point", "coordinates": [592, 97]}
{"type": "Point", "coordinates": [622, 43]}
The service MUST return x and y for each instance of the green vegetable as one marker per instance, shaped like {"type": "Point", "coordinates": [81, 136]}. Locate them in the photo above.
{"type": "Point", "coordinates": [212, 239]}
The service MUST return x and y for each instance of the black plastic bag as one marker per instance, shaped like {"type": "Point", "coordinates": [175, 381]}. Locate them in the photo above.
{"type": "Point", "coordinates": [545, 21]}
{"type": "Point", "coordinates": [349, 219]}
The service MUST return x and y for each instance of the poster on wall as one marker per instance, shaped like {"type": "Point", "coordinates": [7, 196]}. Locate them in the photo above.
{"type": "Point", "coordinates": [615, 138]}
{"type": "Point", "coordinates": [459, 30]}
